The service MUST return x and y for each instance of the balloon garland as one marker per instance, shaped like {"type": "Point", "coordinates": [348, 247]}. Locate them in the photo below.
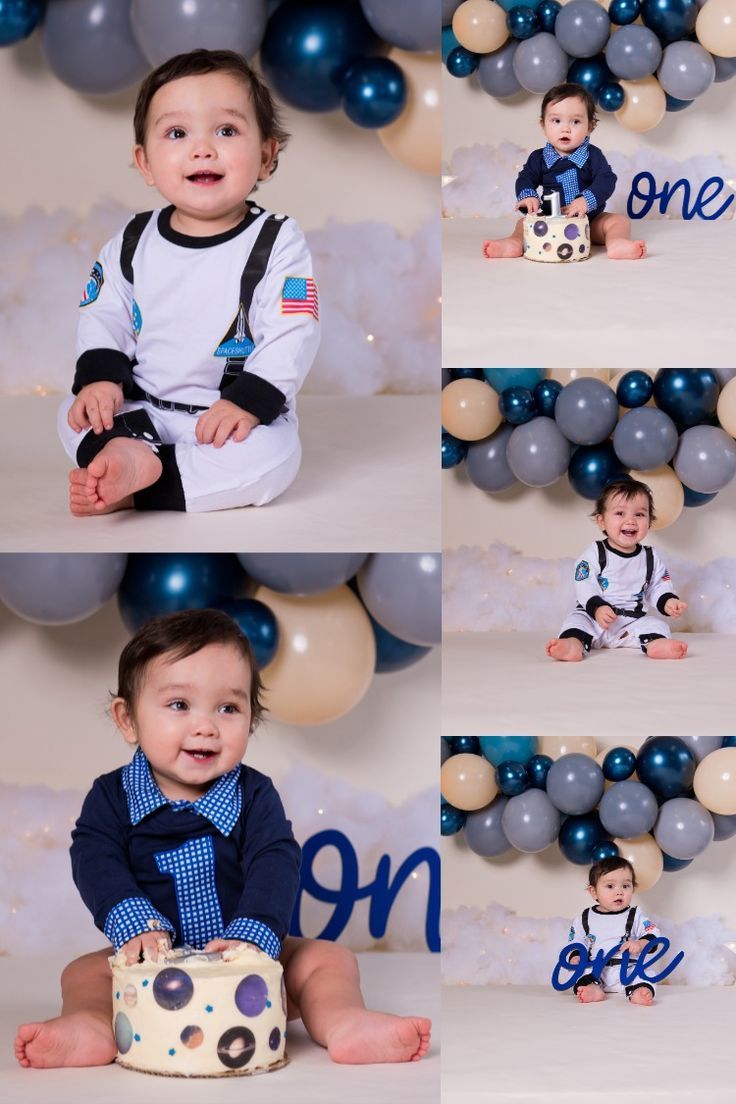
{"type": "Point", "coordinates": [317, 55]}
{"type": "Point", "coordinates": [321, 624]}
{"type": "Point", "coordinates": [639, 59]}
{"type": "Point", "coordinates": [658, 808]}
{"type": "Point", "coordinates": [673, 429]}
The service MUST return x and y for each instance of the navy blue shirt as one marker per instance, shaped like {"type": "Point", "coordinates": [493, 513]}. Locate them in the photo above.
{"type": "Point", "coordinates": [585, 172]}
{"type": "Point", "coordinates": [224, 866]}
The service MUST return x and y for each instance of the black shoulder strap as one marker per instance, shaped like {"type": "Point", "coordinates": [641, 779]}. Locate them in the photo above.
{"type": "Point", "coordinates": [650, 565]}
{"type": "Point", "coordinates": [630, 921]}
{"type": "Point", "coordinates": [131, 237]}
{"type": "Point", "coordinates": [586, 925]}
{"type": "Point", "coordinates": [601, 556]}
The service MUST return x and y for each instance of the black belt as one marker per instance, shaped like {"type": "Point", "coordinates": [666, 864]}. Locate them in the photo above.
{"type": "Point", "coordinates": [635, 613]}
{"type": "Point", "coordinates": [165, 404]}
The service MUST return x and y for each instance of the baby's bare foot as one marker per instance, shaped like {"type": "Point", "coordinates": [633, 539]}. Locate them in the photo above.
{"type": "Point", "coordinates": [503, 247]}
{"type": "Point", "coordinates": [666, 649]}
{"type": "Point", "coordinates": [621, 249]}
{"type": "Point", "coordinates": [108, 483]}
{"type": "Point", "coordinates": [362, 1036]}
{"type": "Point", "coordinates": [591, 994]}
{"type": "Point", "coordinates": [569, 649]}
{"type": "Point", "coordinates": [75, 1040]}
{"type": "Point", "coordinates": [641, 996]}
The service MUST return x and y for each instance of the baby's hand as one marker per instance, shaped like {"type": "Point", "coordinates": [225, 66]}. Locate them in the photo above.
{"type": "Point", "coordinates": [605, 616]}
{"type": "Point", "coordinates": [530, 205]}
{"type": "Point", "coordinates": [674, 608]}
{"type": "Point", "coordinates": [575, 209]}
{"type": "Point", "coordinates": [633, 946]}
{"type": "Point", "coordinates": [95, 406]}
{"type": "Point", "coordinates": [155, 942]}
{"type": "Point", "coordinates": [223, 944]}
{"type": "Point", "coordinates": [222, 421]}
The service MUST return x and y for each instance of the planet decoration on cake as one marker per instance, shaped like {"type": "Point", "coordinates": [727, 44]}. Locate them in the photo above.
{"type": "Point", "coordinates": [556, 239]}
{"type": "Point", "coordinates": [193, 1014]}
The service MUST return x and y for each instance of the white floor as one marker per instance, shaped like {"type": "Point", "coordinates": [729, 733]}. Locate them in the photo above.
{"type": "Point", "coordinates": [502, 683]}
{"type": "Point", "coordinates": [370, 480]}
{"type": "Point", "coordinates": [523, 1044]}
{"type": "Point", "coordinates": [674, 308]}
{"type": "Point", "coordinates": [400, 983]}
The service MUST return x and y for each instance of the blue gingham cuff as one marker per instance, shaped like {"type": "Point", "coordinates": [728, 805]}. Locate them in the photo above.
{"type": "Point", "coordinates": [527, 193]}
{"type": "Point", "coordinates": [131, 917]}
{"type": "Point", "coordinates": [253, 931]}
{"type": "Point", "coordinates": [590, 200]}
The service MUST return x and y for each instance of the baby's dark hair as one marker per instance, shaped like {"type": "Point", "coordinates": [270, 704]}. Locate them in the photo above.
{"type": "Point", "coordinates": [607, 866]}
{"type": "Point", "coordinates": [563, 92]}
{"type": "Point", "coordinates": [179, 635]}
{"type": "Point", "coordinates": [628, 489]}
{"type": "Point", "coordinates": [196, 64]}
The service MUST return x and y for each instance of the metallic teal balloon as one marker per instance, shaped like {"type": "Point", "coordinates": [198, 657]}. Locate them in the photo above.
{"type": "Point", "coordinates": [454, 451]}
{"type": "Point", "coordinates": [635, 389]}
{"type": "Point", "coordinates": [166, 582]}
{"type": "Point", "coordinates": [592, 467]}
{"type": "Point", "coordinates": [501, 378]}
{"type": "Point", "coordinates": [729, 741]}
{"type": "Point", "coordinates": [461, 62]}
{"type": "Point", "coordinates": [619, 764]}
{"type": "Point", "coordinates": [666, 765]}
{"type": "Point", "coordinates": [605, 850]}
{"type": "Point", "coordinates": [611, 97]}
{"type": "Point", "coordinates": [547, 13]}
{"type": "Point", "coordinates": [592, 73]}
{"type": "Point", "coordinates": [688, 395]}
{"type": "Point", "coordinates": [502, 749]}
{"type": "Point", "coordinates": [512, 778]}
{"type": "Point", "coordinates": [449, 42]}
{"type": "Point", "coordinates": [579, 835]}
{"type": "Point", "coordinates": [256, 621]}
{"type": "Point", "coordinates": [373, 92]}
{"type": "Point", "coordinates": [451, 819]}
{"type": "Point", "coordinates": [670, 20]}
{"type": "Point", "coordinates": [622, 12]}
{"type": "Point", "coordinates": [545, 396]}
{"type": "Point", "coordinates": [517, 405]}
{"type": "Point", "coordinates": [537, 769]}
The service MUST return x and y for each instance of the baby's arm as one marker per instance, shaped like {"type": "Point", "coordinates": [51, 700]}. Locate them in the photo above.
{"type": "Point", "coordinates": [660, 593]}
{"type": "Point", "coordinates": [527, 183]}
{"type": "Point", "coordinates": [603, 184]}
{"type": "Point", "coordinates": [588, 590]}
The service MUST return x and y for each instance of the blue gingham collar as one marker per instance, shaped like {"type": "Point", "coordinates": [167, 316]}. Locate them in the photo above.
{"type": "Point", "coordinates": [578, 156]}
{"type": "Point", "coordinates": [221, 804]}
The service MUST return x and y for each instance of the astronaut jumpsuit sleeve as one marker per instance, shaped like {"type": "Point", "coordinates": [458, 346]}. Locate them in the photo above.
{"type": "Point", "coordinates": [588, 591]}
{"type": "Point", "coordinates": [660, 589]}
{"type": "Point", "coordinates": [106, 340]}
{"type": "Point", "coordinates": [577, 935]}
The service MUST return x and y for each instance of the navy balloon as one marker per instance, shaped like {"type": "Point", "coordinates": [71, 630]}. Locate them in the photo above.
{"type": "Point", "coordinates": [464, 745]}
{"type": "Point", "coordinates": [592, 467]}
{"type": "Point", "coordinates": [451, 819]}
{"type": "Point", "coordinates": [635, 389]}
{"type": "Point", "coordinates": [672, 104]}
{"type": "Point", "coordinates": [461, 62]}
{"type": "Point", "coordinates": [308, 48]}
{"type": "Point", "coordinates": [18, 18]}
{"type": "Point", "coordinates": [670, 20]}
{"type": "Point", "coordinates": [622, 12]}
{"type": "Point", "coordinates": [393, 654]}
{"type": "Point", "coordinates": [619, 764]}
{"type": "Point", "coordinates": [579, 835]}
{"type": "Point", "coordinates": [611, 97]}
{"type": "Point", "coordinates": [605, 850]}
{"type": "Point", "coordinates": [545, 397]}
{"type": "Point", "coordinates": [454, 451]}
{"type": "Point", "coordinates": [592, 73]}
{"type": "Point", "coordinates": [688, 395]}
{"type": "Point", "coordinates": [729, 741]}
{"type": "Point", "coordinates": [165, 582]}
{"type": "Point", "coordinates": [517, 405]}
{"type": "Point", "coordinates": [696, 498]}
{"type": "Point", "coordinates": [258, 623]}
{"type": "Point", "coordinates": [374, 92]}
{"type": "Point", "coordinates": [512, 778]}
{"type": "Point", "coordinates": [538, 768]}
{"type": "Point", "coordinates": [669, 864]}
{"type": "Point", "coordinates": [666, 765]}
{"type": "Point", "coordinates": [547, 13]}
{"type": "Point", "coordinates": [466, 373]}
{"type": "Point", "coordinates": [522, 22]}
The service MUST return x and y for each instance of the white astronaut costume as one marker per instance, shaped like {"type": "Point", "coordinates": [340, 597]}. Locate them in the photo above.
{"type": "Point", "coordinates": [625, 581]}
{"type": "Point", "coordinates": [602, 931]}
{"type": "Point", "coordinates": [182, 321]}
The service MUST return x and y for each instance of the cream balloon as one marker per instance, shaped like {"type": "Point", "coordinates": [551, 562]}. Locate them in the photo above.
{"type": "Point", "coordinates": [644, 104]}
{"type": "Point", "coordinates": [715, 781]}
{"type": "Point", "coordinates": [716, 27]}
{"type": "Point", "coordinates": [415, 138]}
{"type": "Point", "coordinates": [645, 856]}
{"type": "Point", "coordinates": [567, 375]}
{"type": "Point", "coordinates": [727, 407]}
{"type": "Point", "coordinates": [468, 781]}
{"type": "Point", "coordinates": [480, 26]}
{"type": "Point", "coordinates": [325, 659]}
{"type": "Point", "coordinates": [470, 409]}
{"type": "Point", "coordinates": [555, 746]}
{"type": "Point", "coordinates": [666, 488]}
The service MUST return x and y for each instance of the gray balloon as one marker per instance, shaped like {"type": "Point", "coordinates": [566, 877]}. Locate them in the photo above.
{"type": "Point", "coordinates": [684, 828]}
{"type": "Point", "coordinates": [575, 783]}
{"type": "Point", "coordinates": [484, 832]}
{"type": "Point", "coordinates": [725, 69]}
{"type": "Point", "coordinates": [538, 453]}
{"type": "Point", "coordinates": [530, 821]}
{"type": "Point", "coordinates": [724, 374]}
{"type": "Point", "coordinates": [724, 827]}
{"type": "Point", "coordinates": [645, 441]}
{"type": "Point", "coordinates": [586, 410]}
{"type": "Point", "coordinates": [449, 7]}
{"type": "Point", "coordinates": [687, 70]}
{"type": "Point", "coordinates": [412, 24]}
{"type": "Point", "coordinates": [59, 588]}
{"type": "Point", "coordinates": [169, 27]}
{"type": "Point", "coordinates": [403, 592]}
{"type": "Point", "coordinates": [90, 47]}
{"type": "Point", "coordinates": [628, 809]}
{"type": "Point", "coordinates": [582, 28]}
{"type": "Point", "coordinates": [540, 62]}
{"type": "Point", "coordinates": [496, 71]}
{"type": "Point", "coordinates": [701, 746]}
{"type": "Point", "coordinates": [486, 462]}
{"type": "Point", "coordinates": [633, 52]}
{"type": "Point", "coordinates": [301, 572]}
{"type": "Point", "coordinates": [705, 460]}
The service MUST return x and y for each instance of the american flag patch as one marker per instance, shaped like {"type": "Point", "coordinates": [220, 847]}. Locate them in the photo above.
{"type": "Point", "coordinates": [299, 296]}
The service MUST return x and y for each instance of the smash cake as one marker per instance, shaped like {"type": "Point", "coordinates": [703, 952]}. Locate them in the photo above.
{"type": "Point", "coordinates": [556, 238]}
{"type": "Point", "coordinates": [193, 1014]}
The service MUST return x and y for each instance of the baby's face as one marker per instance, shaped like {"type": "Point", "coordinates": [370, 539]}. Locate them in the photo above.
{"type": "Point", "coordinates": [625, 523]}
{"type": "Point", "coordinates": [191, 718]}
{"type": "Point", "coordinates": [566, 124]}
{"type": "Point", "coordinates": [613, 891]}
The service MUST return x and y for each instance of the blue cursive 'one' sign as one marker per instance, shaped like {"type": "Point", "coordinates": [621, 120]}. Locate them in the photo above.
{"type": "Point", "coordinates": [574, 957]}
{"type": "Point", "coordinates": [645, 193]}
